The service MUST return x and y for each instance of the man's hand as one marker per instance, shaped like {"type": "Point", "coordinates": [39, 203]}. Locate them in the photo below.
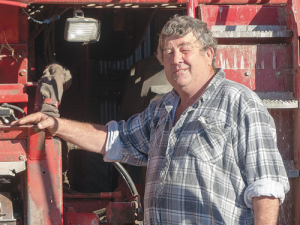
{"type": "Point", "coordinates": [91, 137]}
{"type": "Point", "coordinates": [42, 121]}
{"type": "Point", "coordinates": [265, 210]}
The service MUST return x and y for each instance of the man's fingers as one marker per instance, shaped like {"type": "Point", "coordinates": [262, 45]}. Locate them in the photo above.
{"type": "Point", "coordinates": [49, 123]}
{"type": "Point", "coordinates": [42, 121]}
{"type": "Point", "coordinates": [46, 123]}
{"type": "Point", "coordinates": [30, 119]}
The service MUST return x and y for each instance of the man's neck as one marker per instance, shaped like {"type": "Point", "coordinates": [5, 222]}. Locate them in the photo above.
{"type": "Point", "coordinates": [188, 98]}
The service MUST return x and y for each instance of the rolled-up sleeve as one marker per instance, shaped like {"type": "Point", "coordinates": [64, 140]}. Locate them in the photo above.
{"type": "Point", "coordinates": [113, 144]}
{"type": "Point", "coordinates": [264, 187]}
{"type": "Point", "coordinates": [128, 142]}
{"type": "Point", "coordinates": [263, 167]}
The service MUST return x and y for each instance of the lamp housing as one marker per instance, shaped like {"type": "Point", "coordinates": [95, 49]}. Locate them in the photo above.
{"type": "Point", "coordinates": [81, 29]}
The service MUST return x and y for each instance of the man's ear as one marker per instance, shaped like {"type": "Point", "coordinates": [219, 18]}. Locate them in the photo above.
{"type": "Point", "coordinates": [209, 54]}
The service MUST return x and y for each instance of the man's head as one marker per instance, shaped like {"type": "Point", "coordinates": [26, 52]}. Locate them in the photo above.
{"type": "Point", "coordinates": [180, 26]}
{"type": "Point", "coordinates": [187, 51]}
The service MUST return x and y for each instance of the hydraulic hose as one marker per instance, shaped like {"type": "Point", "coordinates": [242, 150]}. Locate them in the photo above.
{"type": "Point", "coordinates": [129, 182]}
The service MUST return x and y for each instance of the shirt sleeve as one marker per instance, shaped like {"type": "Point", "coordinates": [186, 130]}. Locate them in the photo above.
{"type": "Point", "coordinates": [262, 164]}
{"type": "Point", "coordinates": [128, 142]}
{"type": "Point", "coordinates": [264, 187]}
{"type": "Point", "coordinates": [113, 145]}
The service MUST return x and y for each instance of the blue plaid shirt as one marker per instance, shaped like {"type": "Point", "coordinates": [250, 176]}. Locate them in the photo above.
{"type": "Point", "coordinates": [206, 168]}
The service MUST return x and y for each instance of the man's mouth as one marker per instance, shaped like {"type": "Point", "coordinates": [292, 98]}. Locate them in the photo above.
{"type": "Point", "coordinates": [180, 70]}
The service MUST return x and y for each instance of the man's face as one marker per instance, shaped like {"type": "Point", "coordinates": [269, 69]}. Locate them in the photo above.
{"type": "Point", "coordinates": [187, 68]}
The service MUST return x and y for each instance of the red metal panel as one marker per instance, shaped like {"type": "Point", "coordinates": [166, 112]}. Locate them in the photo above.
{"type": "Point", "coordinates": [12, 150]}
{"type": "Point", "coordinates": [10, 93]}
{"type": "Point", "coordinates": [232, 15]}
{"type": "Point", "coordinates": [14, 98]}
{"type": "Point", "coordinates": [295, 12]}
{"type": "Point", "coordinates": [11, 89]}
{"type": "Point", "coordinates": [84, 205]}
{"type": "Point", "coordinates": [44, 172]}
{"type": "Point", "coordinates": [191, 7]}
{"type": "Point", "coordinates": [73, 218]}
{"type": "Point", "coordinates": [221, 2]}
{"type": "Point", "coordinates": [11, 133]}
{"type": "Point", "coordinates": [13, 68]}
{"type": "Point", "coordinates": [44, 180]}
{"type": "Point", "coordinates": [23, 27]}
{"type": "Point", "coordinates": [13, 3]}
{"type": "Point", "coordinates": [9, 24]}
{"type": "Point", "coordinates": [116, 194]}
{"type": "Point", "coordinates": [263, 68]}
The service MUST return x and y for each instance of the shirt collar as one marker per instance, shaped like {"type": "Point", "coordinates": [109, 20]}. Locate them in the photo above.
{"type": "Point", "coordinates": [213, 85]}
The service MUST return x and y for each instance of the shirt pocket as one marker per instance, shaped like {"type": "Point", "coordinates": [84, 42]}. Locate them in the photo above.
{"type": "Point", "coordinates": [210, 140]}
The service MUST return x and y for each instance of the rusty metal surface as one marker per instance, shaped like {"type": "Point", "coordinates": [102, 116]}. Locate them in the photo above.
{"type": "Point", "coordinates": [44, 181]}
{"type": "Point", "coordinates": [84, 205]}
{"type": "Point", "coordinates": [43, 172]}
{"type": "Point", "coordinates": [191, 8]}
{"type": "Point", "coordinates": [24, 2]}
{"type": "Point", "coordinates": [13, 63]}
{"type": "Point", "coordinates": [120, 213]}
{"type": "Point", "coordinates": [76, 218]}
{"type": "Point", "coordinates": [233, 15]}
{"type": "Point", "coordinates": [116, 194]}
{"type": "Point", "coordinates": [10, 133]}
{"type": "Point", "coordinates": [263, 68]}
{"type": "Point", "coordinates": [12, 150]}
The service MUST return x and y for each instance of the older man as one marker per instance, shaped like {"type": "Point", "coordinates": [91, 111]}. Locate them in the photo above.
{"type": "Point", "coordinates": [209, 144]}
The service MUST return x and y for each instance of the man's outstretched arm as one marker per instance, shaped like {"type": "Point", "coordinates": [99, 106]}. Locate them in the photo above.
{"type": "Point", "coordinates": [91, 137]}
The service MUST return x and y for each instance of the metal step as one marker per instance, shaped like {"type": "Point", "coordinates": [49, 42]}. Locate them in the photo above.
{"type": "Point", "coordinates": [251, 31]}
{"type": "Point", "coordinates": [278, 100]}
{"type": "Point", "coordinates": [272, 100]}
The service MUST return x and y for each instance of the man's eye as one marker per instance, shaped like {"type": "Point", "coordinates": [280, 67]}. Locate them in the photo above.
{"type": "Point", "coordinates": [168, 52]}
{"type": "Point", "coordinates": [185, 50]}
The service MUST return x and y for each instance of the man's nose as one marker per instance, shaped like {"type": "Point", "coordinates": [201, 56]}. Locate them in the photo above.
{"type": "Point", "coordinates": [177, 57]}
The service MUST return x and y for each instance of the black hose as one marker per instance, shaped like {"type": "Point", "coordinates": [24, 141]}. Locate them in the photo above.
{"type": "Point", "coordinates": [14, 107]}
{"type": "Point", "coordinates": [128, 181]}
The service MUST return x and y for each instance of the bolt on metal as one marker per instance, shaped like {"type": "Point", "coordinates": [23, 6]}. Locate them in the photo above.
{"type": "Point", "coordinates": [248, 73]}
{"type": "Point", "coordinates": [23, 72]}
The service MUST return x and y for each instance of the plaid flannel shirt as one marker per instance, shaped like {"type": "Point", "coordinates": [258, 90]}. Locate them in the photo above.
{"type": "Point", "coordinates": [206, 168]}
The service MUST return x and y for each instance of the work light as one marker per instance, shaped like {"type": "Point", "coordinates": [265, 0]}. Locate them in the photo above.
{"type": "Point", "coordinates": [81, 29]}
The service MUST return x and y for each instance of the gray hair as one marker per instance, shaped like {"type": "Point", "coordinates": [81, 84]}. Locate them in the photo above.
{"type": "Point", "coordinates": [179, 26]}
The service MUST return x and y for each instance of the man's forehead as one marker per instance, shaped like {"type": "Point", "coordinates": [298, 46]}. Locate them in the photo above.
{"type": "Point", "coordinates": [188, 39]}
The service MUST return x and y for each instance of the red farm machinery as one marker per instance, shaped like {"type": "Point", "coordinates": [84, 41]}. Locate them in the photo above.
{"type": "Point", "coordinates": [44, 180]}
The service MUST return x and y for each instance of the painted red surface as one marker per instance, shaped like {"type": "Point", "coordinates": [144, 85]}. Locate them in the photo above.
{"type": "Point", "coordinates": [23, 3]}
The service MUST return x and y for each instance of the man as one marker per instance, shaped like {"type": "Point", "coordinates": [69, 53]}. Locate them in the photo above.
{"type": "Point", "coordinates": [209, 144]}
